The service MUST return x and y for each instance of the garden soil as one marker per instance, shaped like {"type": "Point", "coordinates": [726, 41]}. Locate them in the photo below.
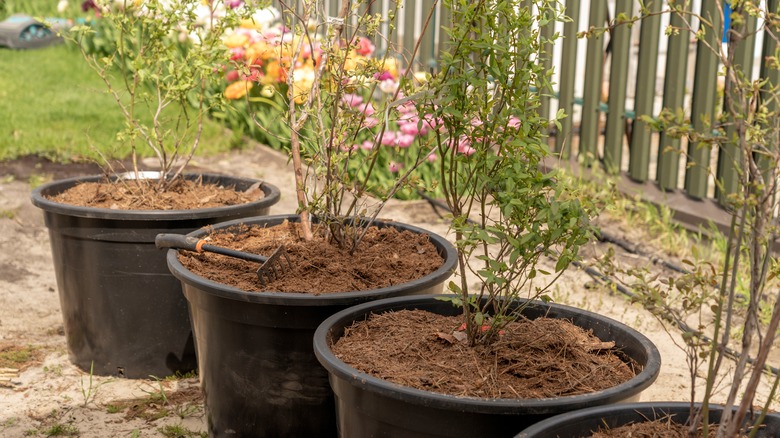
{"type": "Point", "coordinates": [41, 392]}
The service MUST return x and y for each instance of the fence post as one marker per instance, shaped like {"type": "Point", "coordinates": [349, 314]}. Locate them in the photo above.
{"type": "Point", "coordinates": [545, 34]}
{"type": "Point", "coordinates": [669, 148]}
{"type": "Point", "coordinates": [618, 78]}
{"type": "Point", "coordinates": [589, 127]}
{"type": "Point", "coordinates": [728, 155]}
{"type": "Point", "coordinates": [703, 105]}
{"type": "Point", "coordinates": [639, 152]}
{"type": "Point", "coordinates": [568, 74]}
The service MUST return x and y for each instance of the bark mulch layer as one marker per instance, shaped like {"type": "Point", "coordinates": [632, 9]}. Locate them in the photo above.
{"type": "Point", "coordinates": [145, 195]}
{"type": "Point", "coordinates": [539, 358]}
{"type": "Point", "coordinates": [661, 428]}
{"type": "Point", "coordinates": [385, 257]}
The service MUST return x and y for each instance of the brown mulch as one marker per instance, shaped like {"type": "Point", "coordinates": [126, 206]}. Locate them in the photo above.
{"type": "Point", "coordinates": [385, 257]}
{"type": "Point", "coordinates": [538, 358]}
{"type": "Point", "coordinates": [660, 428]}
{"type": "Point", "coordinates": [145, 195]}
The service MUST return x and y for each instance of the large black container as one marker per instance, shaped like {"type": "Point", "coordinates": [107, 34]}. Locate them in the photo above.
{"type": "Point", "coordinates": [583, 422]}
{"type": "Point", "coordinates": [124, 313]}
{"type": "Point", "coordinates": [372, 407]}
{"type": "Point", "coordinates": [258, 371]}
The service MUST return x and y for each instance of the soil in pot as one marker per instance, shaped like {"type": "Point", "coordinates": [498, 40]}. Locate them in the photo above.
{"type": "Point", "coordinates": [385, 257]}
{"type": "Point", "coordinates": [665, 427]}
{"type": "Point", "coordinates": [648, 419]}
{"type": "Point", "coordinates": [539, 358]}
{"type": "Point", "coordinates": [183, 194]}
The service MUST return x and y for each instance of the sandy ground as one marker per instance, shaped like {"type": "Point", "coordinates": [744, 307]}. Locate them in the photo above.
{"type": "Point", "coordinates": [50, 394]}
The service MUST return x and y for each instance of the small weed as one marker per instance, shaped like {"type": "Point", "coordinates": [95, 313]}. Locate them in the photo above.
{"type": "Point", "coordinates": [38, 179]}
{"type": "Point", "coordinates": [180, 376]}
{"type": "Point", "coordinates": [10, 422]}
{"type": "Point", "coordinates": [113, 409]}
{"type": "Point", "coordinates": [61, 430]}
{"type": "Point", "coordinates": [184, 403]}
{"type": "Point", "coordinates": [56, 370]}
{"type": "Point", "coordinates": [135, 433]}
{"type": "Point", "coordinates": [8, 214]}
{"type": "Point", "coordinates": [187, 410]}
{"type": "Point", "coordinates": [14, 356]}
{"type": "Point", "coordinates": [177, 431]}
{"type": "Point", "coordinates": [90, 391]}
{"type": "Point", "coordinates": [31, 432]}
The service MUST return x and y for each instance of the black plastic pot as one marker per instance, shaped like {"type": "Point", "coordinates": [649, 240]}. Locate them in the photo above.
{"type": "Point", "coordinates": [124, 313]}
{"type": "Point", "coordinates": [372, 407]}
{"type": "Point", "coordinates": [583, 422]}
{"type": "Point", "coordinates": [258, 371]}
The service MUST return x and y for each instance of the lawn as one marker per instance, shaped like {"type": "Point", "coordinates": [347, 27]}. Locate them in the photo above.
{"type": "Point", "coordinates": [53, 105]}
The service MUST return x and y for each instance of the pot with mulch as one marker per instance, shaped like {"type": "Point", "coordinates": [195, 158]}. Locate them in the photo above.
{"type": "Point", "coordinates": [657, 419]}
{"type": "Point", "coordinates": [258, 371]}
{"type": "Point", "coordinates": [123, 311]}
{"type": "Point", "coordinates": [402, 367]}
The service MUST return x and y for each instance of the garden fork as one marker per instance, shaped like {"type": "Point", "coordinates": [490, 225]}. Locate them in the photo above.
{"type": "Point", "coordinates": [271, 267]}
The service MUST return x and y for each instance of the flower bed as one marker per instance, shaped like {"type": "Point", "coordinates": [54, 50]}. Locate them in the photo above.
{"type": "Point", "coordinates": [393, 137]}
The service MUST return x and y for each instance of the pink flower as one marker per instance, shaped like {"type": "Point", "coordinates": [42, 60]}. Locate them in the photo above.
{"type": "Point", "coordinates": [383, 76]}
{"type": "Point", "coordinates": [367, 145]}
{"type": "Point", "coordinates": [365, 47]}
{"type": "Point", "coordinates": [370, 122]}
{"type": "Point", "coordinates": [464, 147]}
{"type": "Point", "coordinates": [232, 4]}
{"type": "Point", "coordinates": [254, 75]}
{"type": "Point", "coordinates": [395, 167]}
{"type": "Point", "coordinates": [404, 140]}
{"type": "Point", "coordinates": [368, 109]}
{"type": "Point", "coordinates": [345, 148]}
{"type": "Point", "coordinates": [514, 122]}
{"type": "Point", "coordinates": [351, 99]}
{"type": "Point", "coordinates": [432, 122]}
{"type": "Point", "coordinates": [388, 138]}
{"type": "Point", "coordinates": [407, 107]}
{"type": "Point", "coordinates": [432, 157]}
{"type": "Point", "coordinates": [409, 128]}
{"type": "Point", "coordinates": [231, 76]}
{"type": "Point", "coordinates": [237, 53]}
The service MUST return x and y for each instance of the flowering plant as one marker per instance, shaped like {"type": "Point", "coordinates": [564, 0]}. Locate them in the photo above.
{"type": "Point", "coordinates": [265, 54]}
{"type": "Point", "coordinates": [507, 213]}
{"type": "Point", "coordinates": [159, 67]}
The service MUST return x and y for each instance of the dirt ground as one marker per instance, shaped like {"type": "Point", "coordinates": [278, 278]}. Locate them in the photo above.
{"type": "Point", "coordinates": [48, 395]}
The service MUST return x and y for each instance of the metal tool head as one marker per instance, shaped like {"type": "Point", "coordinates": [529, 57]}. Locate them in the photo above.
{"type": "Point", "coordinates": [274, 267]}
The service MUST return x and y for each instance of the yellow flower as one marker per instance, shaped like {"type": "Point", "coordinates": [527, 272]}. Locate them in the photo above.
{"type": "Point", "coordinates": [238, 89]}
{"type": "Point", "coordinates": [273, 73]}
{"type": "Point", "coordinates": [422, 77]}
{"type": "Point", "coordinates": [389, 65]}
{"type": "Point", "coordinates": [236, 40]}
{"type": "Point", "coordinates": [259, 50]}
{"type": "Point", "coordinates": [303, 80]}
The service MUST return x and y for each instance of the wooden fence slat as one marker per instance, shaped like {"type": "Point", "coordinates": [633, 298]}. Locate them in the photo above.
{"type": "Point", "coordinates": [703, 103]}
{"type": "Point", "coordinates": [618, 78]}
{"type": "Point", "coordinates": [728, 155]}
{"type": "Point", "coordinates": [639, 152]}
{"type": "Point", "coordinates": [568, 74]}
{"type": "Point", "coordinates": [589, 126]}
{"type": "Point", "coordinates": [771, 74]}
{"type": "Point", "coordinates": [674, 97]}
{"type": "Point", "coordinates": [545, 33]}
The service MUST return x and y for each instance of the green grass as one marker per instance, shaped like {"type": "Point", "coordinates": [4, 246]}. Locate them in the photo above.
{"type": "Point", "coordinates": [54, 105]}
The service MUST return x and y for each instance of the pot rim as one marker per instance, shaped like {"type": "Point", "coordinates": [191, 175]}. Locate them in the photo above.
{"type": "Point", "coordinates": [330, 299]}
{"type": "Point", "coordinates": [615, 409]}
{"type": "Point", "coordinates": [40, 200]}
{"type": "Point", "coordinates": [385, 388]}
